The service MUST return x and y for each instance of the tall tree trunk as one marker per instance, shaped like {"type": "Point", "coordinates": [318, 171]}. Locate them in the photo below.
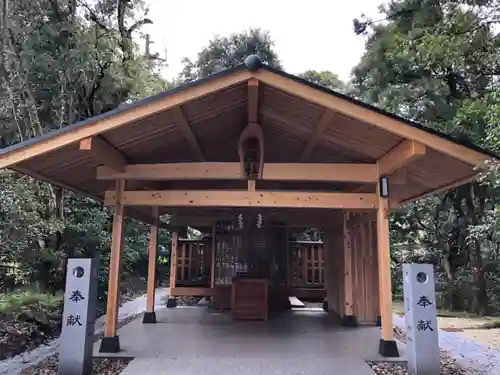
{"type": "Point", "coordinates": [475, 207]}
{"type": "Point", "coordinates": [453, 299]}
{"type": "Point", "coordinates": [480, 304]}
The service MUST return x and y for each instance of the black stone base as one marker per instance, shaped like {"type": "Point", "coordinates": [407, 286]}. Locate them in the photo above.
{"type": "Point", "coordinates": [378, 323]}
{"type": "Point", "coordinates": [349, 321]}
{"type": "Point", "coordinates": [110, 345]}
{"type": "Point", "coordinates": [171, 302]}
{"type": "Point", "coordinates": [388, 349]}
{"type": "Point", "coordinates": [325, 305]}
{"type": "Point", "coordinates": [149, 317]}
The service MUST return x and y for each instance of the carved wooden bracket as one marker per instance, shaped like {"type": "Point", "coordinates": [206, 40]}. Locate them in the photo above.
{"type": "Point", "coordinates": [251, 151]}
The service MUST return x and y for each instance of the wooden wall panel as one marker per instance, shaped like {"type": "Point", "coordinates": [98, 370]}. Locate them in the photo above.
{"type": "Point", "coordinates": [334, 269]}
{"type": "Point", "coordinates": [365, 286]}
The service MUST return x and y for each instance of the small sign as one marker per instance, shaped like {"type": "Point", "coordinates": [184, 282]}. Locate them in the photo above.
{"type": "Point", "coordinates": [422, 344]}
{"type": "Point", "coordinates": [77, 336]}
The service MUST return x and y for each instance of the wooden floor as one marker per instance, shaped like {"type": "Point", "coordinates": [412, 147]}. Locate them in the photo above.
{"type": "Point", "coordinates": [193, 340]}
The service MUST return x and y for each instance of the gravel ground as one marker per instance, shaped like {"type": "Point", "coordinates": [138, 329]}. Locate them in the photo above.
{"type": "Point", "coordinates": [313, 304]}
{"type": "Point", "coordinates": [32, 359]}
{"type": "Point", "coordinates": [449, 365]}
{"type": "Point", "coordinates": [49, 366]}
{"type": "Point", "coordinates": [184, 301]}
{"type": "Point", "coordinates": [465, 326]}
{"type": "Point", "coordinates": [467, 353]}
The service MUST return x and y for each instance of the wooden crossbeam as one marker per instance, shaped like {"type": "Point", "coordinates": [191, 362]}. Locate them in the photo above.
{"type": "Point", "coordinates": [392, 162]}
{"type": "Point", "coordinates": [103, 153]}
{"type": "Point", "coordinates": [183, 123]}
{"type": "Point", "coordinates": [357, 172]}
{"type": "Point", "coordinates": [400, 156]}
{"type": "Point", "coordinates": [223, 198]}
{"type": "Point", "coordinates": [323, 123]}
{"type": "Point", "coordinates": [253, 100]}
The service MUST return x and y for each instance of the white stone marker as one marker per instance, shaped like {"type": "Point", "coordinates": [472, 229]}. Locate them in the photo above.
{"type": "Point", "coordinates": [422, 345]}
{"type": "Point", "coordinates": [77, 336]}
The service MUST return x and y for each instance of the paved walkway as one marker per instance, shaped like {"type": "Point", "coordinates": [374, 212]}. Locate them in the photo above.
{"type": "Point", "coordinates": [193, 341]}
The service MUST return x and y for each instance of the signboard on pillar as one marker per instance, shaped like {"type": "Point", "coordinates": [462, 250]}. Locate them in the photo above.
{"type": "Point", "coordinates": [77, 336]}
{"type": "Point", "coordinates": [422, 345]}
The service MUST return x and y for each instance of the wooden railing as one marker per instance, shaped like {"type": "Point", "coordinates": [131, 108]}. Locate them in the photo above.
{"type": "Point", "coordinates": [307, 264]}
{"type": "Point", "coordinates": [193, 263]}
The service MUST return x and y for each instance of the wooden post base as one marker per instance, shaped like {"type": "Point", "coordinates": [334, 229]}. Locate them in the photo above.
{"type": "Point", "coordinates": [171, 302]}
{"type": "Point", "coordinates": [149, 317]}
{"type": "Point", "coordinates": [388, 349]}
{"type": "Point", "coordinates": [110, 345]}
{"type": "Point", "coordinates": [349, 321]}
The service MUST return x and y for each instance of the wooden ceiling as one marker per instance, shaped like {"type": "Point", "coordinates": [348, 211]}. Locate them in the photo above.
{"type": "Point", "coordinates": [203, 122]}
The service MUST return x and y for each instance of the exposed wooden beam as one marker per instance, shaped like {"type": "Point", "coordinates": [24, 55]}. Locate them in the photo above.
{"type": "Point", "coordinates": [400, 156]}
{"type": "Point", "coordinates": [111, 121]}
{"type": "Point", "coordinates": [174, 171]}
{"type": "Point", "coordinates": [103, 153]}
{"type": "Point", "coordinates": [373, 117]}
{"type": "Point", "coordinates": [231, 171]}
{"type": "Point", "coordinates": [392, 162]}
{"type": "Point", "coordinates": [251, 185]}
{"type": "Point", "coordinates": [253, 100]}
{"type": "Point", "coordinates": [218, 198]}
{"type": "Point", "coordinates": [185, 127]}
{"type": "Point", "coordinates": [323, 123]}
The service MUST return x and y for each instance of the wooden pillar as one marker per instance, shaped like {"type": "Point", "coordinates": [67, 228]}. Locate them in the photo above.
{"type": "Point", "coordinates": [348, 318]}
{"type": "Point", "coordinates": [150, 315]}
{"type": "Point", "coordinates": [110, 342]}
{"type": "Point", "coordinates": [387, 346]}
{"type": "Point", "coordinates": [173, 269]}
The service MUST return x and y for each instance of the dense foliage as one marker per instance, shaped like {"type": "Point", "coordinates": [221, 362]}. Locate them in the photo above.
{"type": "Point", "coordinates": [438, 62]}
{"type": "Point", "coordinates": [63, 61]}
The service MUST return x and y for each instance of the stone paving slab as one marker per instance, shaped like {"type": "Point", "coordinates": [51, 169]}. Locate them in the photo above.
{"type": "Point", "coordinates": [198, 341]}
{"type": "Point", "coordinates": [295, 302]}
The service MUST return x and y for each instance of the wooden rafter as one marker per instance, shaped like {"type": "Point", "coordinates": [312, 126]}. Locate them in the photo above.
{"type": "Point", "coordinates": [185, 127]}
{"type": "Point", "coordinates": [323, 123]}
{"type": "Point", "coordinates": [224, 198]}
{"type": "Point", "coordinates": [253, 100]}
{"type": "Point", "coordinates": [113, 121]}
{"type": "Point", "coordinates": [231, 171]}
{"type": "Point", "coordinates": [400, 156]}
{"type": "Point", "coordinates": [103, 153]}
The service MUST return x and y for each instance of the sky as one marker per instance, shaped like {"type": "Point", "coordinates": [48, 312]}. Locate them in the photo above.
{"type": "Point", "coordinates": [310, 34]}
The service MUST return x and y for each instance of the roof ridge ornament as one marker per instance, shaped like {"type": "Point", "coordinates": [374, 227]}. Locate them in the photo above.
{"type": "Point", "coordinates": [253, 62]}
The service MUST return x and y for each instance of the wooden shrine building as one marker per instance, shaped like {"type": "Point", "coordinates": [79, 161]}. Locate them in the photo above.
{"type": "Point", "coordinates": [246, 156]}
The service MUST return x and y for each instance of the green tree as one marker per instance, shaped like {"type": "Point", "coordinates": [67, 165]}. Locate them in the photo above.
{"type": "Point", "coordinates": [226, 52]}
{"type": "Point", "coordinates": [324, 78]}
{"type": "Point", "coordinates": [63, 61]}
{"type": "Point", "coordinates": [437, 62]}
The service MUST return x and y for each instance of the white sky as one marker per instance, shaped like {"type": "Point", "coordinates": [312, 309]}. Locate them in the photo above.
{"type": "Point", "coordinates": [312, 34]}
